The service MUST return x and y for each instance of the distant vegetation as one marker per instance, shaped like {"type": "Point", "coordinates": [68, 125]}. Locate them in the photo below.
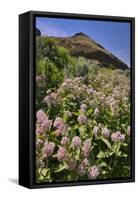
{"type": "Point", "coordinates": [82, 116]}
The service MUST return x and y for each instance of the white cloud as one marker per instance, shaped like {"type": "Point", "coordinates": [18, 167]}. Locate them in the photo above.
{"type": "Point", "coordinates": [50, 30]}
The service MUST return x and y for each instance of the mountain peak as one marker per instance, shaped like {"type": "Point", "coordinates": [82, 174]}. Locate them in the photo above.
{"type": "Point", "coordinates": [80, 34]}
{"type": "Point", "coordinates": [81, 44]}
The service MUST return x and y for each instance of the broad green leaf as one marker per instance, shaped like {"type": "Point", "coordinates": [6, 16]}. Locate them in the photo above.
{"type": "Point", "coordinates": [103, 164]}
{"type": "Point", "coordinates": [65, 117]}
{"type": "Point", "coordinates": [75, 113]}
{"type": "Point", "coordinates": [124, 144]}
{"type": "Point", "coordinates": [101, 154]}
{"type": "Point", "coordinates": [89, 111]}
{"type": "Point", "coordinates": [104, 172]}
{"type": "Point", "coordinates": [45, 171]}
{"type": "Point", "coordinates": [61, 167]}
{"type": "Point", "coordinates": [124, 155]}
{"type": "Point", "coordinates": [106, 142]}
{"type": "Point", "coordinates": [40, 178]}
{"type": "Point", "coordinates": [57, 142]}
{"type": "Point", "coordinates": [77, 155]}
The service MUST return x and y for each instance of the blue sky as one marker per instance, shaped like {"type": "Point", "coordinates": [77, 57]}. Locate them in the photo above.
{"type": "Point", "coordinates": [114, 36]}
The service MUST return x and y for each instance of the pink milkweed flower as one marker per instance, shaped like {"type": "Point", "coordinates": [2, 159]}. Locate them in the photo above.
{"type": "Point", "coordinates": [61, 130]}
{"type": "Point", "coordinates": [118, 137]}
{"type": "Point", "coordinates": [82, 119]}
{"type": "Point", "coordinates": [49, 148]}
{"type": "Point", "coordinates": [95, 130]}
{"type": "Point", "coordinates": [39, 142]}
{"type": "Point", "coordinates": [39, 130]}
{"type": "Point", "coordinates": [81, 171]}
{"type": "Point", "coordinates": [42, 121]}
{"type": "Point", "coordinates": [64, 140]}
{"type": "Point", "coordinates": [76, 141]}
{"type": "Point", "coordinates": [69, 114]}
{"type": "Point", "coordinates": [51, 98]}
{"type": "Point", "coordinates": [86, 148]}
{"type": "Point", "coordinates": [61, 154]}
{"type": "Point", "coordinates": [40, 115]}
{"type": "Point", "coordinates": [105, 132]}
{"type": "Point", "coordinates": [96, 112]}
{"type": "Point", "coordinates": [46, 124]}
{"type": "Point", "coordinates": [38, 78]}
{"type": "Point", "coordinates": [93, 172]}
{"type": "Point", "coordinates": [83, 107]}
{"type": "Point", "coordinates": [90, 91]}
{"type": "Point", "coordinates": [85, 162]}
{"type": "Point", "coordinates": [58, 122]}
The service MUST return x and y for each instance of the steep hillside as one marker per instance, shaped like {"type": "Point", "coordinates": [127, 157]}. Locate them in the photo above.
{"type": "Point", "coordinates": [82, 45]}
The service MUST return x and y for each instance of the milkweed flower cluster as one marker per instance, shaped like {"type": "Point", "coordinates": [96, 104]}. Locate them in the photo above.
{"type": "Point", "coordinates": [95, 130]}
{"type": "Point", "coordinates": [90, 91]}
{"type": "Point", "coordinates": [61, 154]}
{"type": "Point", "coordinates": [69, 114]}
{"type": "Point", "coordinates": [43, 123]}
{"type": "Point", "coordinates": [83, 107]}
{"type": "Point", "coordinates": [40, 80]}
{"type": "Point", "coordinates": [96, 112]}
{"type": "Point", "coordinates": [81, 170]}
{"type": "Point", "coordinates": [83, 167]}
{"type": "Point", "coordinates": [48, 148]}
{"type": "Point", "coordinates": [51, 98]}
{"type": "Point", "coordinates": [64, 140]}
{"type": "Point", "coordinates": [82, 119]}
{"type": "Point", "coordinates": [76, 141]}
{"type": "Point", "coordinates": [118, 137]}
{"type": "Point", "coordinates": [38, 142]}
{"type": "Point", "coordinates": [86, 148]}
{"type": "Point", "coordinates": [60, 126]}
{"type": "Point", "coordinates": [105, 132]}
{"type": "Point", "coordinates": [93, 172]}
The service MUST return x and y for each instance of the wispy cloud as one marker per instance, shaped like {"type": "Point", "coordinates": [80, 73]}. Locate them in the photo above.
{"type": "Point", "coordinates": [48, 29]}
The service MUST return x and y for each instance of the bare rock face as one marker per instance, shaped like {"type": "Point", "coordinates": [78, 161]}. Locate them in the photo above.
{"type": "Point", "coordinates": [82, 45]}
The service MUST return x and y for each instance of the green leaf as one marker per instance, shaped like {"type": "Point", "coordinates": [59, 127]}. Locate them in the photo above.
{"type": "Point", "coordinates": [76, 127]}
{"type": "Point", "coordinates": [89, 111]}
{"type": "Point", "coordinates": [40, 178]}
{"type": "Point", "coordinates": [124, 155]}
{"type": "Point", "coordinates": [57, 142]}
{"type": "Point", "coordinates": [65, 117]}
{"type": "Point", "coordinates": [124, 144]}
{"type": "Point", "coordinates": [101, 154]}
{"type": "Point", "coordinates": [75, 113]}
{"type": "Point", "coordinates": [77, 155]}
{"type": "Point", "coordinates": [106, 142]}
{"type": "Point", "coordinates": [104, 172]}
{"type": "Point", "coordinates": [45, 171]}
{"type": "Point", "coordinates": [61, 167]}
{"type": "Point", "coordinates": [103, 164]}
